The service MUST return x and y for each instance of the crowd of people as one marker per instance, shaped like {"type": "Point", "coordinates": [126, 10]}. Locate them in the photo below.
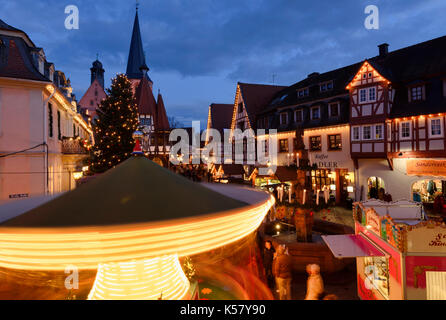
{"type": "Point", "coordinates": [196, 173]}
{"type": "Point", "coordinates": [278, 271]}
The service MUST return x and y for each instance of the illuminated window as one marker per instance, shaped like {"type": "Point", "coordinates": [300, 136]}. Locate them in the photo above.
{"type": "Point", "coordinates": [405, 130]}
{"type": "Point", "coordinates": [283, 145]}
{"type": "Point", "coordinates": [334, 142]}
{"type": "Point", "coordinates": [315, 143]}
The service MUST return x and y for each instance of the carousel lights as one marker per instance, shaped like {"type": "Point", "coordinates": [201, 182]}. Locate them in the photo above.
{"type": "Point", "coordinates": [86, 247]}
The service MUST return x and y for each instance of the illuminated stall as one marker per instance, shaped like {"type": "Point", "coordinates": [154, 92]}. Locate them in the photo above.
{"type": "Point", "coordinates": [399, 254]}
{"type": "Point", "coordinates": [132, 224]}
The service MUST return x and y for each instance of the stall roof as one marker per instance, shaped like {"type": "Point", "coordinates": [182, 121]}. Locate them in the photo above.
{"type": "Point", "coordinates": [351, 246]}
{"type": "Point", "coordinates": [136, 191]}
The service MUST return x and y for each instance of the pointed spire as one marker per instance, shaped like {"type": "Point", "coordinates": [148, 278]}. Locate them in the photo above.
{"type": "Point", "coordinates": [136, 54]}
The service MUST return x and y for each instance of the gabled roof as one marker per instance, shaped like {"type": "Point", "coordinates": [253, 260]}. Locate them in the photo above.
{"type": "Point", "coordinates": [220, 116]}
{"type": "Point", "coordinates": [232, 169]}
{"type": "Point", "coordinates": [144, 98]}
{"type": "Point", "coordinates": [256, 97]}
{"type": "Point", "coordinates": [15, 60]}
{"type": "Point", "coordinates": [161, 121]}
{"type": "Point", "coordinates": [136, 58]}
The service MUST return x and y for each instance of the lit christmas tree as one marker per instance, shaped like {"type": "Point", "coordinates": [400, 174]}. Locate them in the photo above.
{"type": "Point", "coordinates": [117, 120]}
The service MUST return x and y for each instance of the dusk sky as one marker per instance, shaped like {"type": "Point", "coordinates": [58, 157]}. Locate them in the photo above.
{"type": "Point", "coordinates": [197, 50]}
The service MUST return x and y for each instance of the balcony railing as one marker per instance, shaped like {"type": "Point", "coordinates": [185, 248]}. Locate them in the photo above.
{"type": "Point", "coordinates": [73, 146]}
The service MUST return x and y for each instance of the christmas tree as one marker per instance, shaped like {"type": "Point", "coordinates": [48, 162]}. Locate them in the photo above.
{"type": "Point", "coordinates": [114, 127]}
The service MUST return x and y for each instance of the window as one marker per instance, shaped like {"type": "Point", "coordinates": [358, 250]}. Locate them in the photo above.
{"type": "Point", "coordinates": [367, 95]}
{"type": "Point", "coordinates": [240, 107]}
{"type": "Point", "coordinates": [315, 113]}
{"type": "Point", "coordinates": [302, 93]}
{"type": "Point", "coordinates": [435, 127]}
{"type": "Point", "coordinates": [367, 133]}
{"type": "Point", "coordinates": [379, 132]}
{"type": "Point", "coordinates": [405, 130]}
{"type": "Point", "coordinates": [320, 178]}
{"type": "Point", "coordinates": [372, 94]}
{"type": "Point", "coordinates": [284, 118]}
{"type": "Point", "coordinates": [416, 93]}
{"type": "Point", "coordinates": [59, 133]}
{"type": "Point", "coordinates": [315, 143]}
{"type": "Point", "coordinates": [333, 109]}
{"type": "Point", "coordinates": [50, 120]}
{"type": "Point", "coordinates": [283, 145]}
{"type": "Point", "coordinates": [298, 115]}
{"type": "Point", "coordinates": [326, 86]}
{"type": "Point", "coordinates": [363, 95]}
{"type": "Point", "coordinates": [356, 133]}
{"type": "Point", "coordinates": [334, 142]}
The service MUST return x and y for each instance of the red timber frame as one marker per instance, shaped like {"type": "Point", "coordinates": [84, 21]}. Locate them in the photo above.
{"type": "Point", "coordinates": [378, 110]}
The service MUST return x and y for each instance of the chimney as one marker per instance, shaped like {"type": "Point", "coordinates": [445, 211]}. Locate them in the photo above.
{"type": "Point", "coordinates": [383, 50]}
{"type": "Point", "coordinates": [314, 74]}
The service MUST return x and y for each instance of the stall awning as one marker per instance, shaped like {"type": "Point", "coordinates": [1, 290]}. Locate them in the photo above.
{"type": "Point", "coordinates": [351, 246]}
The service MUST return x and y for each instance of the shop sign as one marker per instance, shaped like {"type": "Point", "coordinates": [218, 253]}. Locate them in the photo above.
{"type": "Point", "coordinates": [426, 239]}
{"type": "Point", "coordinates": [436, 168]}
{"type": "Point", "coordinates": [18, 196]}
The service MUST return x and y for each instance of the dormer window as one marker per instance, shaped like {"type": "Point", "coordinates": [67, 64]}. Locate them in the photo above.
{"type": "Point", "coordinates": [315, 113]}
{"type": "Point", "coordinates": [333, 110]}
{"type": "Point", "coordinates": [326, 86]}
{"type": "Point", "coordinates": [284, 118]}
{"type": "Point", "coordinates": [416, 93]}
{"type": "Point", "coordinates": [302, 93]}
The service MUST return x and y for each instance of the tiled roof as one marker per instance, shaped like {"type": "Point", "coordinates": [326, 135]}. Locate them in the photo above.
{"type": "Point", "coordinates": [256, 97]}
{"type": "Point", "coordinates": [221, 116]}
{"type": "Point", "coordinates": [144, 98]}
{"type": "Point", "coordinates": [15, 60]}
{"type": "Point", "coordinates": [161, 121]}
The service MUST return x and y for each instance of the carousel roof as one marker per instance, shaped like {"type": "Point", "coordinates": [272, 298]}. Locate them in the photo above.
{"type": "Point", "coordinates": [136, 191]}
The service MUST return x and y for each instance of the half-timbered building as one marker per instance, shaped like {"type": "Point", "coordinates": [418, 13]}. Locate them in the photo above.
{"type": "Point", "coordinates": [397, 120]}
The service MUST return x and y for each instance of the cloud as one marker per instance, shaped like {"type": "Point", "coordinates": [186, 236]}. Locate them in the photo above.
{"type": "Point", "coordinates": [220, 41]}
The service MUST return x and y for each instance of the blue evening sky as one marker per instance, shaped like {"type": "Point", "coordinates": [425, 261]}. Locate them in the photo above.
{"type": "Point", "coordinates": [197, 50]}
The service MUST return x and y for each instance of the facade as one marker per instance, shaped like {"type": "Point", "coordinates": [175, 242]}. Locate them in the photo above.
{"type": "Point", "coordinates": [42, 137]}
{"type": "Point", "coordinates": [397, 122]}
{"type": "Point", "coordinates": [378, 123]}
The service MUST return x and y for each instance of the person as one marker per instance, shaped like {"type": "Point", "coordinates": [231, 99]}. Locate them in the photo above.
{"type": "Point", "coordinates": [268, 257]}
{"type": "Point", "coordinates": [282, 272]}
{"type": "Point", "coordinates": [315, 284]}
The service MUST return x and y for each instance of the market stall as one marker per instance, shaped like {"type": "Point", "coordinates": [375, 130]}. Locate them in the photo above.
{"type": "Point", "coordinates": [399, 254]}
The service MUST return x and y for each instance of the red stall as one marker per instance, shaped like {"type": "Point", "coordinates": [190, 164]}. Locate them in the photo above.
{"type": "Point", "coordinates": [399, 254]}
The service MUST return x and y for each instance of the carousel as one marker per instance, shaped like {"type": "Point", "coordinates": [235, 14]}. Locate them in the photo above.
{"type": "Point", "coordinates": [131, 225]}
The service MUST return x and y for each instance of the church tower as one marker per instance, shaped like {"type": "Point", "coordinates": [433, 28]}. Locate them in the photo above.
{"type": "Point", "coordinates": [136, 64]}
{"type": "Point", "coordinates": [97, 73]}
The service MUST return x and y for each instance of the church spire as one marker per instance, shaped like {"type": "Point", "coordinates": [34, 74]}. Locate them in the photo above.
{"type": "Point", "coordinates": [136, 54]}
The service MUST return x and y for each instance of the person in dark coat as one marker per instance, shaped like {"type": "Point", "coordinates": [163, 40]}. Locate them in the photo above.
{"type": "Point", "coordinates": [268, 257]}
{"type": "Point", "coordinates": [282, 272]}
